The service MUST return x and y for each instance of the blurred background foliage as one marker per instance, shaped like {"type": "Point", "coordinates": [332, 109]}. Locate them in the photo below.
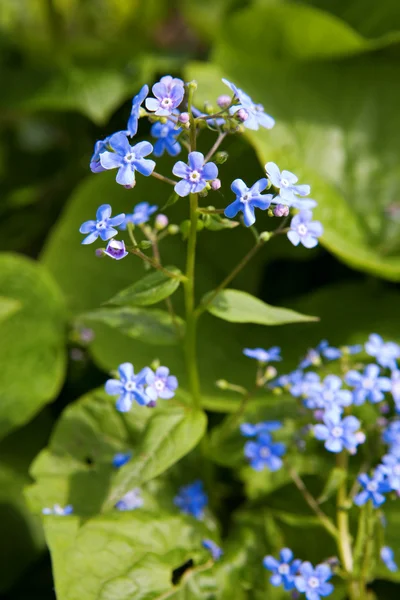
{"type": "Point", "coordinates": [329, 72]}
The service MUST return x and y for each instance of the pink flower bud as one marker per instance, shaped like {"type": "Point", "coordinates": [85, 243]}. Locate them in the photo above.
{"type": "Point", "coordinates": [224, 101]}
{"type": "Point", "coordinates": [184, 117]}
{"type": "Point", "coordinates": [215, 184]}
{"type": "Point", "coordinates": [281, 210]}
{"type": "Point", "coordinates": [242, 114]}
{"type": "Point", "coordinates": [161, 222]}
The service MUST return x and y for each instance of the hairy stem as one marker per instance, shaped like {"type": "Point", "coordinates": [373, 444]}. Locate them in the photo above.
{"type": "Point", "coordinates": [163, 178]}
{"type": "Point", "coordinates": [215, 147]}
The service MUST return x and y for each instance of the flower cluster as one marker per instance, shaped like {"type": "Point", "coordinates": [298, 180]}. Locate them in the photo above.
{"type": "Point", "coordinates": [263, 452]}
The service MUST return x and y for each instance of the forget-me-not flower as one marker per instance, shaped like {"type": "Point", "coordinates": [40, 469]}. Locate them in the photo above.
{"type": "Point", "coordinates": [129, 387]}
{"type": "Point", "coordinates": [314, 582]}
{"type": "Point", "coordinates": [247, 199]}
{"type": "Point", "coordinates": [302, 384]}
{"type": "Point", "coordinates": [386, 353]}
{"type": "Point", "coordinates": [303, 230]}
{"type": "Point", "coordinates": [195, 175]}
{"type": "Point", "coordinates": [374, 489]}
{"type": "Point", "coordinates": [264, 356]}
{"type": "Point", "coordinates": [161, 384]}
{"type": "Point", "coordinates": [141, 214]}
{"type": "Point", "coordinates": [390, 467]}
{"type": "Point", "coordinates": [395, 389]}
{"type": "Point", "coordinates": [314, 355]}
{"type": "Point", "coordinates": [58, 510]}
{"type": "Point", "coordinates": [133, 120]}
{"type": "Point", "coordinates": [329, 395]}
{"type": "Point", "coordinates": [255, 116]}
{"type": "Point", "coordinates": [130, 501]}
{"type": "Point", "coordinates": [121, 458]}
{"type": "Point", "coordinates": [128, 159]}
{"type": "Point", "coordinates": [168, 94]}
{"type": "Point", "coordinates": [283, 570]}
{"type": "Point", "coordinates": [368, 385]}
{"type": "Point", "coordinates": [116, 249]}
{"type": "Point", "coordinates": [391, 436]}
{"type": "Point", "coordinates": [264, 453]}
{"type": "Point", "coordinates": [338, 433]}
{"type": "Point", "coordinates": [103, 226]}
{"type": "Point", "coordinates": [251, 430]}
{"type": "Point", "coordinates": [166, 134]}
{"type": "Point", "coordinates": [192, 499]}
{"type": "Point", "coordinates": [286, 183]}
{"type": "Point", "coordinates": [387, 557]}
{"type": "Point", "coordinates": [216, 551]}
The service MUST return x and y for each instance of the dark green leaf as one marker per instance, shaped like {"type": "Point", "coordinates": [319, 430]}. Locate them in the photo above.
{"type": "Point", "coordinates": [173, 198]}
{"type": "Point", "coordinates": [336, 477]}
{"type": "Point", "coordinates": [151, 289]}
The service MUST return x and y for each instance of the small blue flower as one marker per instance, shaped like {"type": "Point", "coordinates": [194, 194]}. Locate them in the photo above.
{"type": "Point", "coordinates": [374, 488]}
{"type": "Point", "coordinates": [313, 582]}
{"type": "Point", "coordinates": [166, 134]}
{"type": "Point", "coordinates": [314, 355]}
{"type": "Point", "coordinates": [264, 453]}
{"type": "Point", "coordinates": [395, 389]}
{"type": "Point", "coordinates": [387, 557]}
{"type": "Point", "coordinates": [195, 175]}
{"type": "Point", "coordinates": [130, 501]}
{"type": "Point", "coordinates": [141, 214]}
{"type": "Point", "coordinates": [192, 499]}
{"type": "Point", "coordinates": [216, 551]}
{"type": "Point", "coordinates": [116, 249]}
{"type": "Point", "coordinates": [168, 94]}
{"type": "Point", "coordinates": [161, 384]}
{"type": "Point", "coordinates": [337, 433]}
{"type": "Point", "coordinates": [121, 458]}
{"type": "Point", "coordinates": [286, 183]}
{"type": "Point", "coordinates": [264, 356]}
{"type": "Point", "coordinates": [329, 395]}
{"type": "Point", "coordinates": [250, 430]}
{"type": "Point", "coordinates": [247, 199]}
{"type": "Point", "coordinates": [368, 385]}
{"type": "Point", "coordinates": [137, 101]}
{"type": "Point", "coordinates": [386, 353]}
{"type": "Point", "coordinates": [390, 467]}
{"type": "Point", "coordinates": [283, 570]}
{"type": "Point", "coordinates": [304, 231]}
{"type": "Point", "coordinates": [103, 227]}
{"type": "Point", "coordinates": [58, 510]}
{"type": "Point", "coordinates": [129, 387]}
{"type": "Point", "coordinates": [391, 436]}
{"type": "Point", "coordinates": [128, 159]}
{"type": "Point", "coordinates": [302, 385]}
{"type": "Point", "coordinates": [255, 115]}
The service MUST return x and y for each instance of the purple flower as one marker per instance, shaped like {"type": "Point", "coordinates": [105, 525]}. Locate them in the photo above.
{"type": "Point", "coordinates": [250, 430]}
{"type": "Point", "coordinates": [129, 387]}
{"type": "Point", "coordinates": [103, 227]}
{"type": "Point", "coordinates": [161, 384]}
{"type": "Point", "coordinates": [264, 356]}
{"type": "Point", "coordinates": [192, 499]}
{"type": "Point", "coordinates": [387, 557]}
{"type": "Point", "coordinates": [216, 551]}
{"type": "Point", "coordinates": [329, 395]}
{"type": "Point", "coordinates": [304, 231]}
{"type": "Point", "coordinates": [195, 175]}
{"type": "Point", "coordinates": [168, 94]}
{"type": "Point", "coordinates": [286, 183]}
{"type": "Point", "coordinates": [256, 116]}
{"type": "Point", "coordinates": [135, 111]}
{"type": "Point", "coordinates": [323, 349]}
{"type": "Point", "coordinates": [166, 134]}
{"type": "Point", "coordinates": [313, 582]}
{"type": "Point", "coordinates": [264, 453]}
{"type": "Point", "coordinates": [368, 385]}
{"type": "Point", "coordinates": [130, 501]}
{"type": "Point", "coordinates": [247, 199]}
{"type": "Point", "coordinates": [141, 214]}
{"type": "Point", "coordinates": [128, 159]}
{"type": "Point", "coordinates": [116, 249]}
{"type": "Point", "coordinates": [121, 458]}
{"type": "Point", "coordinates": [374, 488]}
{"type": "Point", "coordinates": [386, 353]}
{"type": "Point", "coordinates": [390, 467]}
{"type": "Point", "coordinates": [337, 433]}
{"type": "Point", "coordinates": [283, 570]}
{"type": "Point", "coordinates": [58, 510]}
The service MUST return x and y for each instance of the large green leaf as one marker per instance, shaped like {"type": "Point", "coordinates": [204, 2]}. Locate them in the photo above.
{"type": "Point", "coordinates": [151, 289]}
{"type": "Point", "coordinates": [32, 352]}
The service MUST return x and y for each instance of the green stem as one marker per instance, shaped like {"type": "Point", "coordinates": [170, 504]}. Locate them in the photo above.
{"type": "Point", "coordinates": [163, 178]}
{"type": "Point", "coordinates": [342, 516]}
{"type": "Point", "coordinates": [155, 264]}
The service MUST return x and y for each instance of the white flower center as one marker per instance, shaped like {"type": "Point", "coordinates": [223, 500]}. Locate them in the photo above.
{"type": "Point", "coordinates": [130, 386]}
{"type": "Point", "coordinates": [101, 225]}
{"type": "Point", "coordinates": [337, 432]}
{"type": "Point", "coordinates": [194, 176]}
{"type": "Point", "coordinates": [166, 102]}
{"type": "Point", "coordinates": [284, 182]}
{"type": "Point", "coordinates": [246, 197]}
{"type": "Point", "coordinates": [372, 486]}
{"type": "Point", "coordinates": [328, 396]}
{"type": "Point", "coordinates": [283, 569]}
{"type": "Point", "coordinates": [265, 452]}
{"type": "Point", "coordinates": [313, 582]}
{"type": "Point", "coordinates": [159, 384]}
{"type": "Point", "coordinates": [129, 157]}
{"type": "Point", "coordinates": [302, 229]}
{"type": "Point", "coordinates": [368, 384]}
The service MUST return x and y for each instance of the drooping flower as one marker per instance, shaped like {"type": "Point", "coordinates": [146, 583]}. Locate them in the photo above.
{"type": "Point", "coordinates": [374, 489]}
{"type": "Point", "coordinates": [263, 453]}
{"type": "Point", "coordinates": [264, 356]}
{"type": "Point", "coordinates": [283, 570]}
{"type": "Point", "coordinates": [128, 159]}
{"type": "Point", "coordinates": [135, 111]}
{"type": "Point", "coordinates": [161, 384]}
{"type": "Point", "coordinates": [286, 183]}
{"type": "Point", "coordinates": [103, 226]}
{"type": "Point", "coordinates": [247, 199]}
{"type": "Point", "coordinates": [116, 249]}
{"type": "Point", "coordinates": [141, 214]}
{"type": "Point", "coordinates": [387, 557]}
{"type": "Point", "coordinates": [304, 231]}
{"type": "Point", "coordinates": [216, 551]}
{"type": "Point", "coordinates": [121, 458]}
{"type": "Point", "coordinates": [166, 134]}
{"type": "Point", "coordinates": [131, 501]}
{"type": "Point", "coordinates": [195, 175]}
{"type": "Point", "coordinates": [58, 510]}
{"type": "Point", "coordinates": [314, 582]}
{"type": "Point", "coordinates": [386, 353]}
{"type": "Point", "coordinates": [129, 387]}
{"type": "Point", "coordinates": [255, 115]}
{"type": "Point", "coordinates": [250, 430]}
{"type": "Point", "coordinates": [168, 94]}
{"type": "Point", "coordinates": [329, 396]}
{"type": "Point", "coordinates": [192, 499]}
{"type": "Point", "coordinates": [314, 355]}
{"type": "Point", "coordinates": [338, 433]}
{"type": "Point", "coordinates": [368, 385]}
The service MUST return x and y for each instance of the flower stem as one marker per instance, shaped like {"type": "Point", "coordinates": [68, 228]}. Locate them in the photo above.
{"type": "Point", "coordinates": [215, 147]}
{"type": "Point", "coordinates": [342, 518]}
{"type": "Point", "coordinates": [155, 264]}
{"type": "Point", "coordinates": [163, 178]}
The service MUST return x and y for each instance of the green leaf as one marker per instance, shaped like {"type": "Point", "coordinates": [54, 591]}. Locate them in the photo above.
{"type": "Point", "coordinates": [8, 306]}
{"type": "Point", "coordinates": [32, 352]}
{"type": "Point", "coordinates": [217, 223]}
{"type": "Point", "coordinates": [151, 289]}
{"type": "Point", "coordinates": [336, 477]}
{"type": "Point", "coordinates": [151, 326]}
{"type": "Point", "coordinates": [239, 307]}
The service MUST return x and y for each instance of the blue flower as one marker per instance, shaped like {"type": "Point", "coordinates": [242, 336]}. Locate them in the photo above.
{"type": "Point", "coordinates": [255, 115]}
{"type": "Point", "coordinates": [313, 582]}
{"type": "Point", "coordinates": [250, 430]}
{"type": "Point", "coordinates": [301, 385]}
{"type": "Point", "coordinates": [247, 199]}
{"type": "Point", "coordinates": [121, 458]}
{"type": "Point", "coordinates": [168, 94]}
{"type": "Point", "coordinates": [395, 389]}
{"type": "Point", "coordinates": [103, 227]}
{"type": "Point", "coordinates": [304, 231]}
{"type": "Point", "coordinates": [329, 395]}
{"type": "Point", "coordinates": [264, 453]}
{"type": "Point", "coordinates": [130, 501]}
{"type": "Point", "coordinates": [337, 433]}
{"type": "Point", "coordinates": [391, 436]}
{"type": "Point", "coordinates": [390, 467]}
{"type": "Point", "coordinates": [286, 183]}
{"type": "Point", "coordinates": [116, 249]}
{"type": "Point", "coordinates": [386, 353]}
{"type": "Point", "coordinates": [141, 214]}
{"type": "Point", "coordinates": [133, 121]}
{"type": "Point", "coordinates": [129, 387]}
{"type": "Point", "coordinates": [264, 356]}
{"type": "Point", "coordinates": [161, 384]}
{"type": "Point", "coordinates": [128, 159]}
{"type": "Point", "coordinates": [195, 175]}
{"type": "Point", "coordinates": [216, 551]}
{"type": "Point", "coordinates": [374, 488]}
{"type": "Point", "coordinates": [58, 510]}
{"type": "Point", "coordinates": [323, 349]}
{"type": "Point", "coordinates": [368, 386]}
{"type": "Point", "coordinates": [387, 557]}
{"type": "Point", "coordinates": [166, 134]}
{"type": "Point", "coordinates": [192, 499]}
{"type": "Point", "coordinates": [283, 570]}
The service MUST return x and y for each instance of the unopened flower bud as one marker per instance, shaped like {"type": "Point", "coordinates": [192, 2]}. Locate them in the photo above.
{"type": "Point", "coordinates": [265, 236]}
{"type": "Point", "coordinates": [161, 222]}
{"type": "Point", "coordinates": [242, 115]}
{"type": "Point", "coordinates": [155, 364]}
{"type": "Point", "coordinates": [224, 101]}
{"type": "Point", "coordinates": [384, 408]}
{"type": "Point", "coordinates": [173, 229]}
{"type": "Point", "coordinates": [151, 404]}
{"type": "Point", "coordinates": [215, 184]}
{"type": "Point", "coordinates": [203, 193]}
{"type": "Point", "coordinates": [184, 117]}
{"type": "Point", "coordinates": [222, 384]}
{"type": "Point", "coordinates": [221, 157]}
{"type": "Point", "coordinates": [360, 437]}
{"type": "Point", "coordinates": [281, 210]}
{"type": "Point", "coordinates": [99, 252]}
{"type": "Point", "coordinates": [270, 212]}
{"type": "Point", "coordinates": [145, 244]}
{"type": "Point", "coordinates": [270, 373]}
{"type": "Point", "coordinates": [192, 85]}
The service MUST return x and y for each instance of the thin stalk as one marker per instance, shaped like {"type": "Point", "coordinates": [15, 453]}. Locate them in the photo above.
{"type": "Point", "coordinates": [155, 264]}
{"type": "Point", "coordinates": [215, 147]}
{"type": "Point", "coordinates": [163, 178]}
{"type": "Point", "coordinates": [342, 517]}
